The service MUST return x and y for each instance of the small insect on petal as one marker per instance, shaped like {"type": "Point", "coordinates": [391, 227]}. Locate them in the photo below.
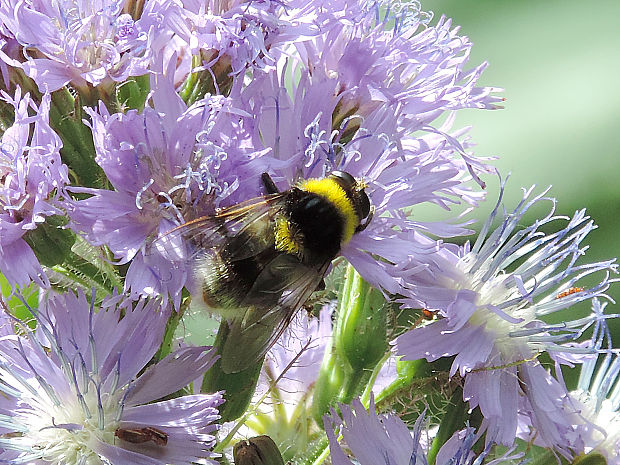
{"type": "Point", "coordinates": [428, 314]}
{"type": "Point", "coordinates": [569, 291]}
{"type": "Point", "coordinates": [140, 435]}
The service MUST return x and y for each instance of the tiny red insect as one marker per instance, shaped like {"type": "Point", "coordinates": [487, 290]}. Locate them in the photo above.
{"type": "Point", "coordinates": [571, 290]}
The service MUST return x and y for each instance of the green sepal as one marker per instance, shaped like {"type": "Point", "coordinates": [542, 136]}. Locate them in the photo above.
{"type": "Point", "coordinates": [132, 93]}
{"type": "Point", "coordinates": [259, 450]}
{"type": "Point", "coordinates": [239, 386]}
{"type": "Point", "coordinates": [18, 307]}
{"type": "Point", "coordinates": [201, 83]}
{"type": "Point", "coordinates": [452, 421]}
{"type": "Point", "coordinates": [78, 149]}
{"type": "Point", "coordinates": [593, 458]}
{"type": "Point", "coordinates": [50, 242]}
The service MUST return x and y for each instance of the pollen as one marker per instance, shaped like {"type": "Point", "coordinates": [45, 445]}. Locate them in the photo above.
{"type": "Point", "coordinates": [331, 190]}
{"type": "Point", "coordinates": [287, 238]}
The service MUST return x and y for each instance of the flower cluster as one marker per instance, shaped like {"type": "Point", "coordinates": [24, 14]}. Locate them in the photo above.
{"type": "Point", "coordinates": [76, 389]}
{"type": "Point", "coordinates": [491, 300]}
{"type": "Point", "coordinates": [154, 154]}
{"type": "Point", "coordinates": [31, 177]}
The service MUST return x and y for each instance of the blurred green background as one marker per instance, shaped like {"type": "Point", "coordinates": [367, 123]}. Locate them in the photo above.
{"type": "Point", "coordinates": [559, 63]}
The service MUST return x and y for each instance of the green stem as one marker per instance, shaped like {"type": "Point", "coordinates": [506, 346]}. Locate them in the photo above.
{"type": "Point", "coordinates": [319, 454]}
{"type": "Point", "coordinates": [373, 377]}
{"type": "Point", "coordinates": [276, 396]}
{"type": "Point", "coordinates": [322, 456]}
{"type": "Point", "coordinates": [351, 387]}
{"type": "Point", "coordinates": [452, 421]}
{"type": "Point", "coordinates": [173, 322]}
{"type": "Point", "coordinates": [105, 278]}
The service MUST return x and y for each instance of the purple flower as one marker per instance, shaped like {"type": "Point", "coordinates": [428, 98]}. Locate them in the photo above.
{"type": "Point", "coordinates": [399, 171]}
{"type": "Point", "coordinates": [168, 165]}
{"type": "Point", "coordinates": [236, 35]}
{"type": "Point", "coordinates": [492, 300]}
{"type": "Point", "coordinates": [295, 360]}
{"type": "Point", "coordinates": [81, 41]}
{"type": "Point", "coordinates": [599, 394]}
{"type": "Point", "coordinates": [363, 90]}
{"type": "Point", "coordinates": [72, 393]}
{"type": "Point", "coordinates": [31, 176]}
{"type": "Point", "coordinates": [386, 440]}
{"type": "Point", "coordinates": [416, 69]}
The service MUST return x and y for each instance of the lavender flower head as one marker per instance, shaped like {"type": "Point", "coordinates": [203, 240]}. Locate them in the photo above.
{"type": "Point", "coordinates": [82, 41]}
{"type": "Point", "coordinates": [491, 300]}
{"type": "Point", "coordinates": [344, 114]}
{"type": "Point", "coordinates": [72, 389]}
{"type": "Point", "coordinates": [386, 440]}
{"type": "Point", "coordinates": [168, 165]}
{"type": "Point", "coordinates": [31, 176]}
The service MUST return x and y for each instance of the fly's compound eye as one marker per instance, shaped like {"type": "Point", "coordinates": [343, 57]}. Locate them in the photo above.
{"type": "Point", "coordinates": [355, 191]}
{"type": "Point", "coordinates": [344, 179]}
{"type": "Point", "coordinates": [364, 204]}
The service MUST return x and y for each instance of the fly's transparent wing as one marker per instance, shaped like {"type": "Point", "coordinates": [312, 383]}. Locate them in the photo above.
{"type": "Point", "coordinates": [278, 292]}
{"type": "Point", "coordinates": [238, 229]}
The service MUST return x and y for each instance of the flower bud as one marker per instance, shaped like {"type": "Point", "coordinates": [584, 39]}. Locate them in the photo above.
{"type": "Point", "coordinates": [133, 92]}
{"type": "Point", "coordinates": [259, 450]}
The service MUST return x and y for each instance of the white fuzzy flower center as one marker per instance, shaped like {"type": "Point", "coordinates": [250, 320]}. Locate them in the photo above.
{"type": "Point", "coordinates": [65, 434]}
{"type": "Point", "coordinates": [491, 293]}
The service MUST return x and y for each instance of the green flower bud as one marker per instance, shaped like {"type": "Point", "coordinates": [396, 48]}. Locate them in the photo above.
{"type": "Point", "coordinates": [260, 450]}
{"type": "Point", "coordinates": [78, 149]}
{"type": "Point", "coordinates": [360, 335]}
{"type": "Point", "coordinates": [359, 343]}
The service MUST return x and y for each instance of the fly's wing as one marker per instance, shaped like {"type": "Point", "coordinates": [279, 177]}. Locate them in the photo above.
{"type": "Point", "coordinates": [251, 335]}
{"type": "Point", "coordinates": [234, 228]}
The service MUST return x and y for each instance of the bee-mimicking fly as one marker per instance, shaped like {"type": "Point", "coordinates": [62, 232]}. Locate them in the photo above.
{"type": "Point", "coordinates": [258, 262]}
